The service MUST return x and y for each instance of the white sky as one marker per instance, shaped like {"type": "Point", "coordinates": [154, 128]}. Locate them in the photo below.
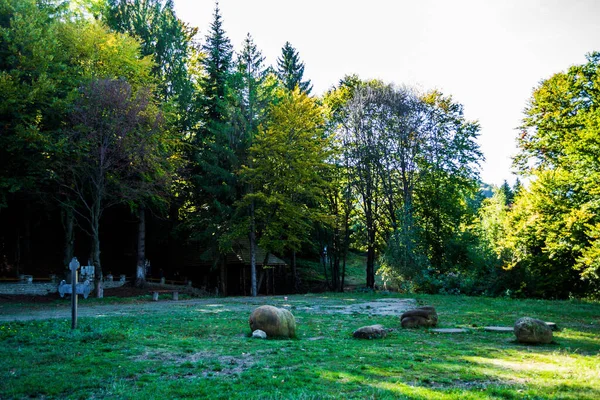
{"type": "Point", "coordinates": [488, 55]}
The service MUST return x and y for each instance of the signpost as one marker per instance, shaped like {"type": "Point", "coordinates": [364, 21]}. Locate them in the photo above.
{"type": "Point", "coordinates": [74, 265]}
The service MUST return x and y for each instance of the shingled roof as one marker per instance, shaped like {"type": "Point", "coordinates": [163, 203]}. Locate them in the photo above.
{"type": "Point", "coordinates": [240, 254]}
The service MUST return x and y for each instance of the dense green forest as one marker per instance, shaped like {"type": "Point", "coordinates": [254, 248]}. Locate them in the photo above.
{"type": "Point", "coordinates": [124, 136]}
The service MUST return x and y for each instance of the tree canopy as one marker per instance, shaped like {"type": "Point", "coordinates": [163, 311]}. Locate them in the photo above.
{"type": "Point", "coordinates": [114, 107]}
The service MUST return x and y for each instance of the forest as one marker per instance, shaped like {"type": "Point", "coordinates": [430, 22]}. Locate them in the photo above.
{"type": "Point", "coordinates": [127, 137]}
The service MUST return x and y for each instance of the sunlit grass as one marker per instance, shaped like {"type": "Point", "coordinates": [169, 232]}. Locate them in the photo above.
{"type": "Point", "coordinates": [203, 351]}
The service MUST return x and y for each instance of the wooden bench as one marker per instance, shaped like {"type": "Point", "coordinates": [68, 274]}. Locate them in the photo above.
{"type": "Point", "coordinates": [156, 292]}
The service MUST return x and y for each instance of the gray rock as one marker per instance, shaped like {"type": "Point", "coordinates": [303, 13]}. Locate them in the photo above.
{"type": "Point", "coordinates": [275, 322]}
{"type": "Point", "coordinates": [370, 332]}
{"type": "Point", "coordinates": [533, 331]}
{"type": "Point", "coordinates": [419, 317]}
{"type": "Point", "coordinates": [258, 334]}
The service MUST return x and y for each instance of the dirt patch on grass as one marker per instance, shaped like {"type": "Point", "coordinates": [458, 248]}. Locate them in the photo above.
{"type": "Point", "coordinates": [209, 363]}
{"type": "Point", "coordinates": [378, 307]}
{"type": "Point", "coordinates": [466, 384]}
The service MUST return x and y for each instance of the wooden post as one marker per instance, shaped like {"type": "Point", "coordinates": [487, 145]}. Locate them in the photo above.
{"type": "Point", "coordinates": [74, 265]}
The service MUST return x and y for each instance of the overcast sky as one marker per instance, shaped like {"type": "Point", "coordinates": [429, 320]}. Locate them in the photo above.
{"type": "Point", "coordinates": [489, 55]}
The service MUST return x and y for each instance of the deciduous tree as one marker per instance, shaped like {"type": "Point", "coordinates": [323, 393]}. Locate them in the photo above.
{"type": "Point", "coordinates": [112, 154]}
{"type": "Point", "coordinates": [285, 202]}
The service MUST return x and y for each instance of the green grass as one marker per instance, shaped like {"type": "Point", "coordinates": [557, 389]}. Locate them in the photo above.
{"type": "Point", "coordinates": [205, 352]}
{"type": "Point", "coordinates": [313, 274]}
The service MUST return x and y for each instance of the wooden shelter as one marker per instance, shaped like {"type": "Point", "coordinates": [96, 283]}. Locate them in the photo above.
{"type": "Point", "coordinates": [230, 274]}
{"type": "Point", "coordinates": [237, 269]}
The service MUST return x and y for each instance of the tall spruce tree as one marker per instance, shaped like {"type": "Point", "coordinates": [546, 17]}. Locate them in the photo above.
{"type": "Point", "coordinates": [291, 70]}
{"type": "Point", "coordinates": [251, 108]}
{"type": "Point", "coordinates": [214, 145]}
{"type": "Point", "coordinates": [253, 73]}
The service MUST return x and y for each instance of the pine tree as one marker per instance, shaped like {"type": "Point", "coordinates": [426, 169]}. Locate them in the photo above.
{"type": "Point", "coordinates": [517, 187]}
{"type": "Point", "coordinates": [509, 195]}
{"type": "Point", "coordinates": [291, 70]}
{"type": "Point", "coordinates": [217, 65]}
{"type": "Point", "coordinates": [214, 160]}
{"type": "Point", "coordinates": [251, 109]}
{"type": "Point", "coordinates": [251, 101]}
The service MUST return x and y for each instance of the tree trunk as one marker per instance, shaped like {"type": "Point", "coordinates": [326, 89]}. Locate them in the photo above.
{"type": "Point", "coordinates": [18, 251]}
{"type": "Point", "coordinates": [253, 287]}
{"type": "Point", "coordinates": [324, 258]}
{"type": "Point", "coordinates": [370, 225]}
{"type": "Point", "coordinates": [335, 271]}
{"type": "Point", "coordinates": [140, 275]}
{"type": "Point", "coordinates": [343, 280]}
{"type": "Point", "coordinates": [68, 223]}
{"type": "Point", "coordinates": [223, 270]}
{"type": "Point", "coordinates": [26, 258]}
{"type": "Point", "coordinates": [260, 278]}
{"type": "Point", "coordinates": [294, 272]}
{"type": "Point", "coordinates": [98, 278]}
{"type": "Point", "coordinates": [371, 259]}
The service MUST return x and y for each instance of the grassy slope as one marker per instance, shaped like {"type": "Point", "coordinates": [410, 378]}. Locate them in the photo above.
{"type": "Point", "coordinates": [204, 352]}
{"type": "Point", "coordinates": [311, 272]}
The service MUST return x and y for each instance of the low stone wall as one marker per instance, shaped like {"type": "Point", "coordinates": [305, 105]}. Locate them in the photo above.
{"type": "Point", "coordinates": [42, 289]}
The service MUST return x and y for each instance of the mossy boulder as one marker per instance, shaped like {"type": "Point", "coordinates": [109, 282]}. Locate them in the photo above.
{"type": "Point", "coordinates": [275, 322]}
{"type": "Point", "coordinates": [425, 316]}
{"type": "Point", "coordinates": [370, 332]}
{"type": "Point", "coordinates": [532, 331]}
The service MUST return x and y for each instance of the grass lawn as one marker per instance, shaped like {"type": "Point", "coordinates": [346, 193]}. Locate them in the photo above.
{"type": "Point", "coordinates": [203, 351]}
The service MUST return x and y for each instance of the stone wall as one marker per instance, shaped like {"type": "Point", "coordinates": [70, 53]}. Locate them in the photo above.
{"type": "Point", "coordinates": [42, 289]}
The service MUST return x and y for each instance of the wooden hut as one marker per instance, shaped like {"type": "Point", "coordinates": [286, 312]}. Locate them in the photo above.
{"type": "Point", "coordinates": [230, 273]}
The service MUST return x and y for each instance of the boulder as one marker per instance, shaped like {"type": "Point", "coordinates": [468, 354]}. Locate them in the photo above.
{"type": "Point", "coordinates": [275, 322]}
{"type": "Point", "coordinates": [370, 332]}
{"type": "Point", "coordinates": [258, 334]}
{"type": "Point", "coordinates": [419, 317]}
{"type": "Point", "coordinates": [533, 331]}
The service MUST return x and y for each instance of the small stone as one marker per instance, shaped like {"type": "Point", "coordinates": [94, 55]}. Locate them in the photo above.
{"type": "Point", "coordinates": [258, 334]}
{"type": "Point", "coordinates": [370, 332]}
{"type": "Point", "coordinates": [449, 330]}
{"type": "Point", "coordinates": [552, 325]}
{"type": "Point", "coordinates": [533, 331]}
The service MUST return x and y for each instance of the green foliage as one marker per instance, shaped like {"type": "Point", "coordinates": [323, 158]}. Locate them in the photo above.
{"type": "Point", "coordinates": [214, 157]}
{"type": "Point", "coordinates": [31, 69]}
{"type": "Point", "coordinates": [553, 233]}
{"type": "Point", "coordinates": [292, 143]}
{"type": "Point", "coordinates": [448, 180]}
{"type": "Point", "coordinates": [291, 70]}
{"type": "Point", "coordinates": [254, 94]}
{"type": "Point", "coordinates": [169, 42]}
{"type": "Point", "coordinates": [46, 55]}
{"type": "Point", "coordinates": [411, 161]}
